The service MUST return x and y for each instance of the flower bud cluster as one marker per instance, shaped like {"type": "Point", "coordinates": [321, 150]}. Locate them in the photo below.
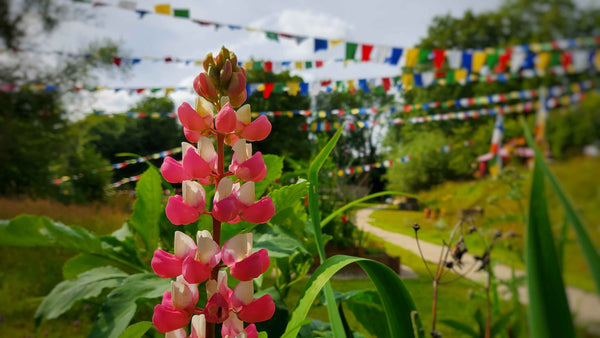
{"type": "Point", "coordinates": [221, 88]}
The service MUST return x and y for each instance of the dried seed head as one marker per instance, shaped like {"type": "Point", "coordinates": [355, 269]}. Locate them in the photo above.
{"type": "Point", "coordinates": [416, 227]}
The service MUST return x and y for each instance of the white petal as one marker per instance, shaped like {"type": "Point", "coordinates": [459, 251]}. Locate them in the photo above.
{"type": "Point", "coordinates": [224, 188]}
{"type": "Point", "coordinates": [203, 107]}
{"type": "Point", "coordinates": [246, 193]}
{"type": "Point", "coordinates": [179, 333]}
{"type": "Point", "coordinates": [244, 291]}
{"type": "Point", "coordinates": [244, 114]}
{"type": "Point", "coordinates": [206, 149]}
{"type": "Point", "coordinates": [193, 193]}
{"type": "Point", "coordinates": [183, 244]}
{"type": "Point", "coordinates": [199, 325]}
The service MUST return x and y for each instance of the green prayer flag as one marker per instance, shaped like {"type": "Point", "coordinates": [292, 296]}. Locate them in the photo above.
{"type": "Point", "coordinates": [258, 65]}
{"type": "Point", "coordinates": [279, 87]}
{"type": "Point", "coordinates": [555, 58]}
{"type": "Point", "coordinates": [154, 90]}
{"type": "Point", "coordinates": [182, 13]}
{"type": "Point", "coordinates": [379, 90]}
{"type": "Point", "coordinates": [272, 36]}
{"type": "Point", "coordinates": [450, 76]}
{"type": "Point", "coordinates": [308, 64]}
{"type": "Point", "coordinates": [423, 56]}
{"type": "Point", "coordinates": [492, 60]}
{"type": "Point", "coordinates": [350, 50]}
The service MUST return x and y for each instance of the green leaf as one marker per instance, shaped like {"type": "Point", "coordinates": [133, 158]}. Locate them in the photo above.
{"type": "Point", "coordinates": [277, 241]}
{"type": "Point", "coordinates": [120, 306]}
{"type": "Point", "coordinates": [549, 314]}
{"type": "Point", "coordinates": [459, 326]}
{"type": "Point", "coordinates": [366, 307]}
{"type": "Point", "coordinates": [571, 213]}
{"type": "Point", "coordinates": [500, 324]}
{"type": "Point", "coordinates": [274, 165]}
{"type": "Point", "coordinates": [313, 208]}
{"type": "Point", "coordinates": [66, 293]}
{"type": "Point", "coordinates": [289, 208]}
{"type": "Point", "coordinates": [136, 330]}
{"type": "Point", "coordinates": [395, 299]}
{"type": "Point", "coordinates": [29, 231]}
{"type": "Point", "coordinates": [148, 208]}
{"type": "Point", "coordinates": [360, 200]}
{"type": "Point", "coordinates": [83, 262]}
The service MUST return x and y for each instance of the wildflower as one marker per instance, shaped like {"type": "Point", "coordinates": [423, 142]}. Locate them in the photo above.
{"type": "Point", "coordinates": [177, 306]}
{"type": "Point", "coordinates": [168, 265]}
{"type": "Point", "coordinates": [187, 208]}
{"type": "Point", "coordinates": [244, 165]}
{"type": "Point", "coordinates": [197, 268]}
{"type": "Point", "coordinates": [244, 265]}
{"type": "Point", "coordinates": [255, 131]}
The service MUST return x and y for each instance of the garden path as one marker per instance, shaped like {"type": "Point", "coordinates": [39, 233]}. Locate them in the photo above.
{"type": "Point", "coordinates": [585, 305]}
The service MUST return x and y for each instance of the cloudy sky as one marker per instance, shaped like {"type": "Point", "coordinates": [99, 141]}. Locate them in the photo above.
{"type": "Point", "coordinates": [395, 23]}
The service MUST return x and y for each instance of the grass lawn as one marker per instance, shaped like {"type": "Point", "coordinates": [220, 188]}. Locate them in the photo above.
{"type": "Point", "coordinates": [501, 213]}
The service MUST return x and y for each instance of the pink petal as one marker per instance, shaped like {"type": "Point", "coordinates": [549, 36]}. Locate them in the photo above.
{"type": "Point", "coordinates": [253, 169]}
{"type": "Point", "coordinates": [251, 331]}
{"type": "Point", "coordinates": [237, 85]}
{"type": "Point", "coordinates": [191, 119]}
{"type": "Point", "coordinates": [258, 130]}
{"type": "Point", "coordinates": [238, 100]}
{"type": "Point", "coordinates": [180, 213]}
{"type": "Point", "coordinates": [165, 264]}
{"type": "Point", "coordinates": [251, 266]}
{"type": "Point", "coordinates": [194, 271]}
{"type": "Point", "coordinates": [191, 135]}
{"type": "Point", "coordinates": [258, 311]}
{"type": "Point", "coordinates": [217, 309]}
{"type": "Point", "coordinates": [226, 209]}
{"type": "Point", "coordinates": [173, 171]}
{"type": "Point", "coordinates": [231, 139]}
{"type": "Point", "coordinates": [226, 119]}
{"type": "Point", "coordinates": [194, 164]}
{"type": "Point", "coordinates": [259, 212]}
{"type": "Point", "coordinates": [168, 318]}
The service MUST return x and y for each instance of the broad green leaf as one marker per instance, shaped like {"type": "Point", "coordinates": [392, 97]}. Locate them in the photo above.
{"type": "Point", "coordinates": [148, 208]}
{"type": "Point", "coordinates": [360, 200]}
{"type": "Point", "coordinates": [289, 208]}
{"type": "Point", "coordinates": [313, 208]}
{"type": "Point", "coordinates": [120, 306]}
{"type": "Point", "coordinates": [589, 251]}
{"type": "Point", "coordinates": [66, 293]}
{"type": "Point", "coordinates": [277, 241]}
{"type": "Point", "coordinates": [274, 165]}
{"type": "Point", "coordinates": [466, 329]}
{"type": "Point", "coordinates": [82, 263]}
{"type": "Point", "coordinates": [366, 307]}
{"type": "Point", "coordinates": [136, 330]}
{"type": "Point", "coordinates": [29, 231]}
{"type": "Point", "coordinates": [500, 324]}
{"type": "Point", "coordinates": [395, 299]}
{"type": "Point", "coordinates": [549, 314]}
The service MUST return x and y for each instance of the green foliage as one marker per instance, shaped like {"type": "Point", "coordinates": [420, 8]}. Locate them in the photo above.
{"type": "Point", "coordinates": [147, 209]}
{"type": "Point", "coordinates": [82, 263]}
{"type": "Point", "coordinates": [120, 305]}
{"type": "Point", "coordinates": [136, 330]}
{"type": "Point", "coordinates": [274, 167]}
{"type": "Point", "coordinates": [88, 284]}
{"type": "Point", "coordinates": [548, 308]}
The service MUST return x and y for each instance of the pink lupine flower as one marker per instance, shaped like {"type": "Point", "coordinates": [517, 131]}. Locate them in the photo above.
{"type": "Point", "coordinates": [244, 165]}
{"type": "Point", "coordinates": [225, 203]}
{"type": "Point", "coordinates": [233, 327]}
{"type": "Point", "coordinates": [254, 212]}
{"type": "Point", "coordinates": [168, 265]}
{"type": "Point", "coordinates": [199, 162]}
{"type": "Point", "coordinates": [199, 120]}
{"type": "Point", "coordinates": [255, 131]}
{"type": "Point", "coordinates": [198, 327]}
{"type": "Point", "coordinates": [218, 294]}
{"type": "Point", "coordinates": [197, 268]}
{"type": "Point", "coordinates": [243, 264]}
{"type": "Point", "coordinates": [179, 333]}
{"type": "Point", "coordinates": [204, 87]}
{"type": "Point", "coordinates": [177, 306]}
{"type": "Point", "coordinates": [173, 171]}
{"type": "Point", "coordinates": [249, 309]}
{"type": "Point", "coordinates": [187, 208]}
{"type": "Point", "coordinates": [226, 120]}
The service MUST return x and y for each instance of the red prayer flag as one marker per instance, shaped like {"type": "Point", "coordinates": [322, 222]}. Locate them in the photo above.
{"type": "Point", "coordinates": [319, 63]}
{"type": "Point", "coordinates": [117, 61]}
{"type": "Point", "coordinates": [366, 52]}
{"type": "Point", "coordinates": [566, 58]}
{"type": "Point", "coordinates": [438, 58]}
{"type": "Point", "coordinates": [139, 90]}
{"type": "Point", "coordinates": [387, 84]}
{"type": "Point", "coordinates": [502, 61]}
{"type": "Point", "coordinates": [268, 89]}
{"type": "Point", "coordinates": [268, 66]}
{"type": "Point", "coordinates": [168, 59]}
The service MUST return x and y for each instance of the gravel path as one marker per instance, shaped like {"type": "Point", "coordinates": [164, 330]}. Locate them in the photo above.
{"type": "Point", "coordinates": [585, 305]}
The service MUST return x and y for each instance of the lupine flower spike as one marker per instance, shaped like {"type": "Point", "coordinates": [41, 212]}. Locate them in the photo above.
{"type": "Point", "coordinates": [222, 89]}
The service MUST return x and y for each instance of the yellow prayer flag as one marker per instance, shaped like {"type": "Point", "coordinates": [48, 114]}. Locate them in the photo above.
{"type": "Point", "coordinates": [168, 90]}
{"type": "Point", "coordinates": [412, 56]}
{"type": "Point", "coordinates": [289, 114]}
{"type": "Point", "coordinates": [360, 124]}
{"type": "Point", "coordinates": [293, 88]}
{"type": "Point", "coordinates": [322, 114]}
{"type": "Point", "coordinates": [335, 42]}
{"type": "Point", "coordinates": [408, 81]}
{"type": "Point", "coordinates": [254, 114]}
{"type": "Point", "coordinates": [535, 47]}
{"type": "Point", "coordinates": [340, 173]}
{"type": "Point", "coordinates": [542, 60]}
{"type": "Point", "coordinates": [261, 87]}
{"type": "Point", "coordinates": [460, 75]}
{"type": "Point", "coordinates": [354, 111]}
{"type": "Point", "coordinates": [163, 9]}
{"type": "Point", "coordinates": [248, 65]}
{"type": "Point", "coordinates": [478, 60]}
{"type": "Point", "coordinates": [575, 87]}
{"type": "Point", "coordinates": [299, 64]}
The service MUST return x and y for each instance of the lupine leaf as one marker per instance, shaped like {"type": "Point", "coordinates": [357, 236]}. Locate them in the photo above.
{"type": "Point", "coordinates": [82, 263]}
{"type": "Point", "coordinates": [120, 306]}
{"type": "Point", "coordinates": [66, 293]}
{"type": "Point", "coordinates": [148, 208]}
{"type": "Point", "coordinates": [136, 330]}
{"type": "Point", "coordinates": [274, 165]}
